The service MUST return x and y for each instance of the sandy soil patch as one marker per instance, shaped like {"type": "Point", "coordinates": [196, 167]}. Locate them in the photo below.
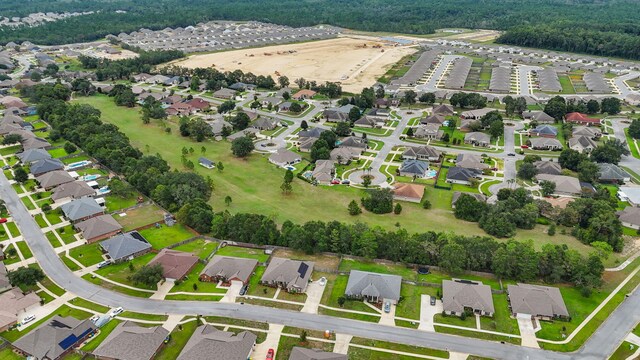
{"type": "Point", "coordinates": [356, 63]}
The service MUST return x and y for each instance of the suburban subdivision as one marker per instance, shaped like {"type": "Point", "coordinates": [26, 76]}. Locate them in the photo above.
{"type": "Point", "coordinates": [247, 190]}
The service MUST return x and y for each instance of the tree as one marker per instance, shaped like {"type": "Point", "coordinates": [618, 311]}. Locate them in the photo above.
{"type": "Point", "coordinates": [610, 105]}
{"type": "Point", "coordinates": [35, 76]}
{"type": "Point", "coordinates": [286, 187]}
{"type": "Point", "coordinates": [588, 171]}
{"type": "Point", "coordinates": [25, 276]}
{"type": "Point", "coordinates": [295, 107]}
{"type": "Point", "coordinates": [593, 106]}
{"type": "Point", "coordinates": [556, 107]}
{"type": "Point", "coordinates": [320, 150]}
{"type": "Point", "coordinates": [12, 139]}
{"type": "Point", "coordinates": [196, 214]}
{"type": "Point", "coordinates": [286, 95]}
{"type": "Point", "coordinates": [366, 181]}
{"type": "Point", "coordinates": [603, 249]}
{"type": "Point", "coordinates": [410, 132]}
{"type": "Point", "coordinates": [397, 209]}
{"type": "Point", "coordinates": [343, 129]}
{"type": "Point", "coordinates": [303, 336]}
{"type": "Point", "coordinates": [227, 200]}
{"type": "Point", "coordinates": [83, 86]}
{"type": "Point", "coordinates": [354, 208]}
{"type": "Point", "coordinates": [240, 121]}
{"type": "Point", "coordinates": [527, 171]}
{"type": "Point", "coordinates": [288, 176]}
{"type": "Point", "coordinates": [354, 114]}
{"type": "Point", "coordinates": [379, 201]}
{"type": "Point", "coordinates": [341, 301]}
{"type": "Point", "coordinates": [634, 129]}
{"type": "Point", "coordinates": [304, 125]}
{"type": "Point", "coordinates": [569, 159]}
{"type": "Point", "coordinates": [409, 97]}
{"type": "Point", "coordinates": [610, 151]}
{"type": "Point", "coordinates": [453, 258]}
{"type": "Point", "coordinates": [468, 208]}
{"type": "Point", "coordinates": [427, 98]}
{"type": "Point", "coordinates": [195, 84]}
{"type": "Point", "coordinates": [496, 129]}
{"type": "Point", "coordinates": [547, 187]}
{"type": "Point", "coordinates": [20, 175]}
{"type": "Point", "coordinates": [242, 147]}
{"type": "Point", "coordinates": [120, 188]}
{"type": "Point", "coordinates": [283, 81]}
{"type": "Point", "coordinates": [301, 82]}
{"type": "Point", "coordinates": [552, 230]}
{"type": "Point", "coordinates": [220, 166]}
{"type": "Point", "coordinates": [426, 204]}
{"type": "Point", "coordinates": [148, 275]}
{"type": "Point", "coordinates": [69, 148]}
{"type": "Point", "coordinates": [226, 107]}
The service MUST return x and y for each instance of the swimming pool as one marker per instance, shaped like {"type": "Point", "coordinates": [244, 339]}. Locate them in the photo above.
{"type": "Point", "coordinates": [90, 177]}
{"type": "Point", "coordinates": [430, 174]}
{"type": "Point", "coordinates": [308, 174]}
{"type": "Point", "coordinates": [289, 167]}
{"type": "Point", "coordinates": [103, 190]}
{"type": "Point", "coordinates": [78, 164]}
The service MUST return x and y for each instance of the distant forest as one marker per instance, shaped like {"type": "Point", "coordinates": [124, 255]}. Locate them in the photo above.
{"type": "Point", "coordinates": [599, 27]}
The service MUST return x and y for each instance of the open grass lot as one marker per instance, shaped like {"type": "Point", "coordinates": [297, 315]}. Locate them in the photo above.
{"type": "Point", "coordinates": [49, 285]}
{"type": "Point", "coordinates": [241, 252]}
{"type": "Point", "coordinates": [140, 316]}
{"type": "Point", "coordinates": [179, 337]}
{"type": "Point", "coordinates": [8, 354]}
{"type": "Point", "coordinates": [105, 330]}
{"type": "Point", "coordinates": [269, 303]}
{"type": "Point", "coordinates": [113, 287]}
{"type": "Point", "coordinates": [350, 264]}
{"type": "Point", "coordinates": [164, 236]}
{"type": "Point", "coordinates": [239, 180]}
{"type": "Point", "coordinates": [200, 247]}
{"type": "Point", "coordinates": [475, 334]}
{"type": "Point", "coordinates": [287, 343]}
{"type": "Point", "coordinates": [321, 261]}
{"type": "Point", "coordinates": [53, 217]}
{"type": "Point", "coordinates": [64, 310]}
{"type": "Point", "coordinates": [401, 347]}
{"type": "Point", "coordinates": [121, 271]}
{"type": "Point", "coordinates": [45, 297]}
{"type": "Point", "coordinates": [202, 286]}
{"type": "Point", "coordinates": [13, 229]}
{"type": "Point", "coordinates": [411, 295]}
{"type": "Point", "coordinates": [139, 217]}
{"type": "Point", "coordinates": [115, 203]}
{"type": "Point", "coordinates": [87, 255]}
{"type": "Point", "coordinates": [58, 152]}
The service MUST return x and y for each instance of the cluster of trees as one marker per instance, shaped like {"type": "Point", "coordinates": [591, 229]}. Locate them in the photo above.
{"type": "Point", "coordinates": [492, 121]}
{"type": "Point", "coordinates": [123, 95]}
{"type": "Point", "coordinates": [321, 149]}
{"type": "Point", "coordinates": [150, 174]}
{"type": "Point", "coordinates": [468, 100]}
{"type": "Point", "coordinates": [197, 128]}
{"type": "Point", "coordinates": [148, 275]}
{"type": "Point", "coordinates": [152, 109]}
{"type": "Point", "coordinates": [558, 107]}
{"type": "Point", "coordinates": [455, 253]}
{"type": "Point", "coordinates": [242, 146]}
{"type": "Point", "coordinates": [634, 129]}
{"type": "Point", "coordinates": [594, 220]}
{"type": "Point", "coordinates": [379, 201]}
{"type": "Point", "coordinates": [514, 105]}
{"type": "Point", "coordinates": [106, 69]}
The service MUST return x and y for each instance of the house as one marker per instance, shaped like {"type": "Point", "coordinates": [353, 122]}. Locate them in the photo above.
{"type": "Point", "coordinates": [373, 287]}
{"type": "Point", "coordinates": [285, 106]}
{"type": "Point", "coordinates": [443, 109]}
{"type": "Point", "coordinates": [588, 131]}
{"type": "Point", "coordinates": [548, 167]}
{"type": "Point", "coordinates": [456, 196]}
{"type": "Point", "coordinates": [180, 108]}
{"type": "Point", "coordinates": [476, 114]}
{"type": "Point", "coordinates": [356, 143]}
{"type": "Point", "coordinates": [300, 353]}
{"type": "Point", "coordinates": [430, 132]}
{"type": "Point", "coordinates": [35, 143]}
{"type": "Point", "coordinates": [369, 122]}
{"type": "Point", "coordinates": [424, 152]}
{"type": "Point", "coordinates": [303, 94]}
{"type": "Point", "coordinates": [471, 161]}
{"type": "Point", "coordinates": [44, 166]}
{"type": "Point", "coordinates": [55, 337]}
{"type": "Point", "coordinates": [228, 269]}
{"type": "Point", "coordinates": [270, 100]}
{"type": "Point", "coordinates": [204, 162]}
{"type": "Point", "coordinates": [343, 155]}
{"type": "Point", "coordinates": [33, 155]}
{"type": "Point", "coordinates": [435, 119]}
{"type": "Point", "coordinates": [283, 157]}
{"type": "Point", "coordinates": [545, 143]}
{"type": "Point", "coordinates": [98, 228]}
{"type": "Point", "coordinates": [126, 246]}
{"type": "Point", "coordinates": [264, 123]}
{"type": "Point", "coordinates": [130, 341]}
{"type": "Point", "coordinates": [477, 139]}
{"type": "Point", "coordinates": [408, 192]}
{"type": "Point", "coordinates": [175, 264]}
{"type": "Point", "coordinates": [218, 125]}
{"type": "Point", "coordinates": [249, 132]}
{"type": "Point", "coordinates": [225, 93]}
{"type": "Point", "coordinates": [536, 301]}
{"type": "Point", "coordinates": [417, 168]}
{"type": "Point", "coordinates": [290, 275]}
{"type": "Point", "coordinates": [73, 190]}
{"type": "Point", "coordinates": [5, 284]}
{"type": "Point", "coordinates": [544, 131]}
{"type": "Point", "coordinates": [629, 194]}
{"type": "Point", "coordinates": [14, 304]}
{"type": "Point", "coordinates": [240, 86]}
{"type": "Point", "coordinates": [565, 185]}
{"type": "Point", "coordinates": [54, 178]}
{"type": "Point", "coordinates": [582, 144]}
{"type": "Point", "coordinates": [611, 173]}
{"type": "Point", "coordinates": [581, 119]}
{"type": "Point", "coordinates": [464, 176]}
{"type": "Point", "coordinates": [81, 209]}
{"type": "Point", "coordinates": [199, 104]}
{"type": "Point", "coordinates": [324, 171]}
{"type": "Point", "coordinates": [208, 340]}
{"type": "Point", "coordinates": [540, 117]}
{"type": "Point", "coordinates": [379, 113]}
{"type": "Point", "coordinates": [630, 217]}
{"type": "Point", "coordinates": [340, 114]}
{"type": "Point", "coordinates": [459, 296]}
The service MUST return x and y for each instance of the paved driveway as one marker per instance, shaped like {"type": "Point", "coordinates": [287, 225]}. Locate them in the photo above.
{"type": "Point", "coordinates": [388, 318]}
{"type": "Point", "coordinates": [427, 312]}
{"type": "Point", "coordinates": [271, 342]}
{"type": "Point", "coordinates": [528, 333]}
{"type": "Point", "coordinates": [232, 292]}
{"type": "Point", "coordinates": [314, 295]}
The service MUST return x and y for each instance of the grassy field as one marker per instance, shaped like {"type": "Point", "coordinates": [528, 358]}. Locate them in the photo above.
{"type": "Point", "coordinates": [567, 86]}
{"type": "Point", "coordinates": [115, 203]}
{"type": "Point", "coordinates": [238, 180]}
{"type": "Point", "coordinates": [113, 287]}
{"type": "Point", "coordinates": [140, 316]}
{"type": "Point", "coordinates": [475, 334]}
{"type": "Point", "coordinates": [199, 247]}
{"type": "Point", "coordinates": [633, 145]}
{"type": "Point", "coordinates": [401, 347]}
{"type": "Point", "coordinates": [241, 252]}
{"type": "Point", "coordinates": [411, 295]}
{"type": "Point", "coordinates": [87, 255]}
{"type": "Point", "coordinates": [164, 236]}
{"type": "Point", "coordinates": [139, 217]}
{"type": "Point", "coordinates": [8, 354]}
{"type": "Point", "coordinates": [24, 249]}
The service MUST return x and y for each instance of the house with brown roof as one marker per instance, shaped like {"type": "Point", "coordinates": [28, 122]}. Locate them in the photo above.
{"type": "Point", "coordinates": [130, 341]}
{"type": "Point", "coordinates": [207, 340]}
{"type": "Point", "coordinates": [175, 264]}
{"type": "Point", "coordinates": [548, 167]}
{"type": "Point", "coordinates": [290, 275]}
{"type": "Point", "coordinates": [536, 301]}
{"type": "Point", "coordinates": [303, 94]}
{"type": "Point", "coordinates": [54, 178]}
{"type": "Point", "coordinates": [72, 190]}
{"type": "Point", "coordinates": [581, 119]}
{"type": "Point", "coordinates": [459, 296]}
{"type": "Point", "coordinates": [14, 304]}
{"type": "Point", "coordinates": [443, 109]}
{"type": "Point", "coordinates": [98, 228]}
{"type": "Point", "coordinates": [228, 269]}
{"type": "Point", "coordinates": [408, 192]}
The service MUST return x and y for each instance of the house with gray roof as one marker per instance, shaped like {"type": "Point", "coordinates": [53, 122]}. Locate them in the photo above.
{"type": "Point", "coordinates": [354, 142]}
{"type": "Point", "coordinates": [287, 274]}
{"type": "Point", "coordinates": [324, 171]}
{"type": "Point", "coordinates": [44, 166]}
{"type": "Point", "coordinates": [612, 173]}
{"type": "Point", "coordinates": [34, 143]}
{"type": "Point", "coordinates": [588, 131]}
{"type": "Point", "coordinates": [53, 179]}
{"type": "Point", "coordinates": [218, 125]}
{"type": "Point", "coordinates": [630, 194]}
{"type": "Point", "coordinates": [81, 209]}
{"type": "Point", "coordinates": [225, 93]}
{"type": "Point", "coordinates": [300, 353]}
{"type": "Point", "coordinates": [412, 168]}
{"type": "Point", "coordinates": [477, 139]}
{"type": "Point", "coordinates": [544, 131]}
{"type": "Point", "coordinates": [548, 79]}
{"type": "Point", "coordinates": [476, 114]}
{"type": "Point", "coordinates": [536, 301]}
{"type": "Point", "coordinates": [548, 167]}
{"type": "Point", "coordinates": [500, 79]}
{"type": "Point", "coordinates": [545, 143]}
{"type": "Point", "coordinates": [98, 228]}
{"type": "Point", "coordinates": [283, 157]}
{"type": "Point", "coordinates": [630, 217]}
{"type": "Point", "coordinates": [208, 340]}
{"type": "Point", "coordinates": [228, 269]}
{"type": "Point", "coordinates": [32, 155]}
{"type": "Point", "coordinates": [343, 155]}
{"type": "Point", "coordinates": [464, 176]}
{"type": "Point", "coordinates": [126, 246]}
{"type": "Point", "coordinates": [565, 185]}
{"type": "Point", "coordinates": [471, 161]}
{"type": "Point", "coordinates": [264, 123]}
{"type": "Point", "coordinates": [458, 73]}
{"type": "Point", "coordinates": [583, 144]}
{"type": "Point", "coordinates": [459, 296]}
{"type": "Point", "coordinates": [369, 122]}
{"type": "Point", "coordinates": [429, 131]}
{"type": "Point", "coordinates": [373, 287]}
{"type": "Point", "coordinates": [433, 119]}
{"type": "Point", "coordinates": [540, 117]}
{"type": "Point", "coordinates": [130, 341]}
{"type": "Point", "coordinates": [74, 190]}
{"type": "Point", "coordinates": [424, 152]}
{"type": "Point", "coordinates": [443, 109]}
{"type": "Point", "coordinates": [54, 338]}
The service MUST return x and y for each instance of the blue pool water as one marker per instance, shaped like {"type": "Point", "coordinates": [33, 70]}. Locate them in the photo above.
{"type": "Point", "coordinates": [289, 167]}
{"type": "Point", "coordinates": [430, 174]}
{"type": "Point", "coordinates": [308, 174]}
{"type": "Point", "coordinates": [103, 190]}
{"type": "Point", "coordinates": [78, 164]}
{"type": "Point", "coordinates": [90, 177]}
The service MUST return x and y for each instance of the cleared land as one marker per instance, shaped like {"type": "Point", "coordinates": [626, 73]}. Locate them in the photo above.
{"type": "Point", "coordinates": [356, 63]}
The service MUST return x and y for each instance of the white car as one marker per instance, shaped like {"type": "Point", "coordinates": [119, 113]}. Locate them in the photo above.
{"type": "Point", "coordinates": [322, 281]}
{"type": "Point", "coordinates": [117, 311]}
{"type": "Point", "coordinates": [28, 319]}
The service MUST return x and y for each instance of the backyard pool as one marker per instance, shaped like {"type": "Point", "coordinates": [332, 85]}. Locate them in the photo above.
{"type": "Point", "coordinates": [90, 177]}
{"type": "Point", "coordinates": [289, 167]}
{"type": "Point", "coordinates": [103, 190]}
{"type": "Point", "coordinates": [430, 174]}
{"type": "Point", "coordinates": [77, 165]}
{"type": "Point", "coordinates": [308, 174]}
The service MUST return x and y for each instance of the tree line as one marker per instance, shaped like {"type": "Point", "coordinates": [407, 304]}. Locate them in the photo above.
{"type": "Point", "coordinates": [106, 69]}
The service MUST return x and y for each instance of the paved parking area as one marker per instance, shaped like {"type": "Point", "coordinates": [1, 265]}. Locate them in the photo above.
{"type": "Point", "coordinates": [427, 312]}
{"type": "Point", "coordinates": [314, 295]}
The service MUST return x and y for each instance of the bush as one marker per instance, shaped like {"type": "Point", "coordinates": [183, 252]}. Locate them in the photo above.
{"type": "Point", "coordinates": [552, 230]}
{"type": "Point", "coordinates": [426, 204]}
{"type": "Point", "coordinates": [397, 209]}
{"type": "Point", "coordinates": [380, 201]}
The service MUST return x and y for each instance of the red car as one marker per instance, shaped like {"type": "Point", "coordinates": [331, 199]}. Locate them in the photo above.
{"type": "Point", "coordinates": [524, 146]}
{"type": "Point", "coordinates": [335, 181]}
{"type": "Point", "coordinates": [270, 354]}
{"type": "Point", "coordinates": [3, 220]}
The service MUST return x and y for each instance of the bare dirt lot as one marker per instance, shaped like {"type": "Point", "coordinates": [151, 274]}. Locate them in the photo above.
{"type": "Point", "coordinates": [356, 63]}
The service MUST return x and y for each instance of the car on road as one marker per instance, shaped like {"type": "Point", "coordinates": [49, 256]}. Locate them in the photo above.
{"type": "Point", "coordinates": [511, 154]}
{"type": "Point", "coordinates": [433, 301]}
{"type": "Point", "coordinates": [346, 182]}
{"type": "Point", "coordinates": [28, 319]}
{"type": "Point", "coordinates": [104, 263]}
{"type": "Point", "coordinates": [387, 307]}
{"type": "Point", "coordinates": [115, 312]}
{"type": "Point", "coordinates": [243, 290]}
{"type": "Point", "coordinates": [270, 354]}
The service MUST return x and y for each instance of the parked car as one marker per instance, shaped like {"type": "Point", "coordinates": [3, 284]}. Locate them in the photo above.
{"type": "Point", "coordinates": [433, 301]}
{"type": "Point", "coordinates": [243, 290]}
{"type": "Point", "coordinates": [28, 319]}
{"type": "Point", "coordinates": [511, 154]}
{"type": "Point", "coordinates": [524, 146]}
{"type": "Point", "coordinates": [270, 354]}
{"type": "Point", "coordinates": [346, 181]}
{"type": "Point", "coordinates": [3, 220]}
{"type": "Point", "coordinates": [167, 339]}
{"type": "Point", "coordinates": [104, 263]}
{"type": "Point", "coordinates": [117, 311]}
{"type": "Point", "coordinates": [387, 307]}
{"type": "Point", "coordinates": [322, 281]}
{"type": "Point", "coordinates": [335, 181]}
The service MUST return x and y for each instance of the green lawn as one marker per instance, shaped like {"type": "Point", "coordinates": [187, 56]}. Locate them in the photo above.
{"type": "Point", "coordinates": [255, 288]}
{"type": "Point", "coordinates": [179, 337]}
{"type": "Point", "coordinates": [241, 252]}
{"type": "Point", "coordinates": [75, 159]}
{"type": "Point", "coordinates": [64, 310]}
{"type": "Point", "coordinates": [401, 347]}
{"type": "Point", "coordinates": [164, 236]}
{"type": "Point", "coordinates": [87, 255]}
{"type": "Point", "coordinates": [120, 289]}
{"type": "Point", "coordinates": [633, 144]}
{"type": "Point", "coordinates": [10, 150]}
{"type": "Point", "coordinates": [350, 264]}
{"type": "Point", "coordinates": [40, 220]}
{"type": "Point", "coordinates": [411, 295]}
{"type": "Point", "coordinates": [469, 321]}
{"type": "Point", "coordinates": [625, 350]}
{"type": "Point", "coordinates": [53, 217]}
{"type": "Point", "coordinates": [8, 354]}
{"type": "Point", "coordinates": [67, 234]}
{"type": "Point", "coordinates": [45, 296]}
{"type": "Point", "coordinates": [478, 335]}
{"type": "Point", "coordinates": [53, 239]}
{"type": "Point", "coordinates": [236, 322]}
{"type": "Point", "coordinates": [105, 330]}
{"type": "Point", "coordinates": [140, 316]}
{"type": "Point", "coordinates": [199, 247]}
{"type": "Point", "coordinates": [49, 285]}
{"type": "Point", "coordinates": [366, 354]}
{"type": "Point", "coordinates": [335, 287]}
{"type": "Point", "coordinates": [115, 203]}
{"type": "Point", "coordinates": [69, 263]}
{"type": "Point", "coordinates": [120, 272]}
{"type": "Point", "coordinates": [567, 86]}
{"type": "Point", "coordinates": [287, 343]}
{"type": "Point", "coordinates": [202, 286]}
{"type": "Point", "coordinates": [8, 258]}
{"type": "Point", "coordinates": [28, 203]}
{"type": "Point", "coordinates": [89, 305]}
{"type": "Point", "coordinates": [139, 217]}
{"type": "Point", "coordinates": [501, 321]}
{"type": "Point", "coordinates": [13, 229]}
{"type": "Point", "coordinates": [24, 249]}
{"type": "Point", "coordinates": [58, 153]}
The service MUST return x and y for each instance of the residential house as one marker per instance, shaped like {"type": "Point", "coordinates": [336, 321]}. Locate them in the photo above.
{"type": "Point", "coordinates": [126, 246]}
{"type": "Point", "coordinates": [44, 166]}
{"type": "Point", "coordinates": [303, 94]}
{"type": "Point", "coordinates": [218, 125]}
{"type": "Point", "coordinates": [630, 194]}
{"type": "Point", "coordinates": [611, 173]}
{"type": "Point", "coordinates": [379, 113]}
{"type": "Point", "coordinates": [581, 119]}
{"type": "Point", "coordinates": [324, 171]}
{"type": "Point", "coordinates": [408, 192]}
{"type": "Point", "coordinates": [98, 228]}
{"type": "Point", "coordinates": [290, 275]}
{"type": "Point", "coordinates": [130, 341]}
{"type": "Point", "coordinates": [54, 178]}
{"type": "Point", "coordinates": [228, 269]}
{"type": "Point", "coordinates": [548, 167]}
{"type": "Point", "coordinates": [225, 93]}
{"type": "Point", "coordinates": [249, 132]}
{"type": "Point", "coordinates": [353, 142]}
{"type": "Point", "coordinates": [55, 338]}
{"type": "Point", "coordinates": [72, 190]}
{"type": "Point", "coordinates": [5, 284]}
{"type": "Point", "coordinates": [29, 156]}
{"type": "Point", "coordinates": [34, 143]}
{"type": "Point", "coordinates": [435, 119]}
{"type": "Point", "coordinates": [443, 109]}
{"type": "Point", "coordinates": [459, 296]}
{"type": "Point", "coordinates": [343, 155]}
{"type": "Point", "coordinates": [264, 123]}
{"type": "Point", "coordinates": [477, 139]}
{"type": "Point", "coordinates": [14, 304]}
{"type": "Point", "coordinates": [199, 104]}
{"type": "Point", "coordinates": [536, 301]}
{"type": "Point", "coordinates": [417, 168]}
{"type": "Point", "coordinates": [583, 144]}
{"type": "Point", "coordinates": [285, 106]}
{"type": "Point", "coordinates": [471, 161]}
{"type": "Point", "coordinates": [300, 353]}
{"type": "Point", "coordinates": [339, 114]}
{"type": "Point", "coordinates": [208, 340]}
{"type": "Point", "coordinates": [430, 132]}
{"type": "Point", "coordinates": [545, 143]}
{"type": "Point", "coordinates": [565, 185]}
{"type": "Point", "coordinates": [283, 157]}
{"type": "Point", "coordinates": [306, 138]}
{"type": "Point", "coordinates": [180, 109]}
{"type": "Point", "coordinates": [464, 176]}
{"type": "Point", "coordinates": [373, 287]}
{"type": "Point", "coordinates": [81, 209]}
{"type": "Point", "coordinates": [630, 217]}
{"type": "Point", "coordinates": [175, 264]}
{"type": "Point", "coordinates": [544, 131]}
{"type": "Point", "coordinates": [424, 152]}
{"type": "Point", "coordinates": [588, 131]}
{"type": "Point", "coordinates": [369, 122]}
{"type": "Point", "coordinates": [540, 117]}
{"type": "Point", "coordinates": [456, 196]}
{"type": "Point", "coordinates": [270, 100]}
{"type": "Point", "coordinates": [476, 114]}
